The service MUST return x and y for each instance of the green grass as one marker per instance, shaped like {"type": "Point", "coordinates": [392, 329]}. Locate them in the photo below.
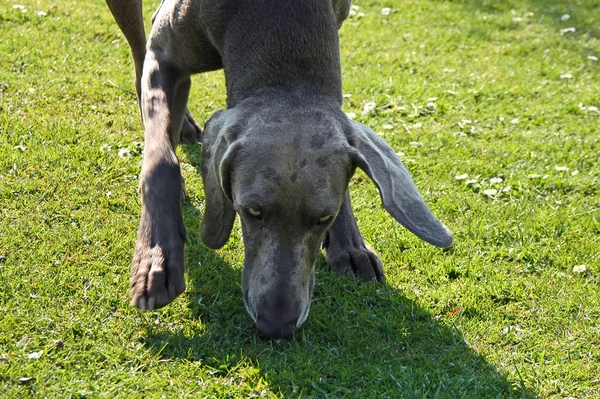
{"type": "Point", "coordinates": [487, 89]}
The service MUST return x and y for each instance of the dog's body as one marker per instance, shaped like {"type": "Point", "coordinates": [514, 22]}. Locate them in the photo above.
{"type": "Point", "coordinates": [281, 154]}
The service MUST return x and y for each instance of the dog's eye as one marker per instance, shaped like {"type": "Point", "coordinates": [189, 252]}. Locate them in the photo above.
{"type": "Point", "coordinates": [324, 219]}
{"type": "Point", "coordinates": [254, 213]}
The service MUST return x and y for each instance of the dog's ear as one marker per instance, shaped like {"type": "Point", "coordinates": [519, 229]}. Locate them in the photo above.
{"type": "Point", "coordinates": [400, 196]}
{"type": "Point", "coordinates": [218, 150]}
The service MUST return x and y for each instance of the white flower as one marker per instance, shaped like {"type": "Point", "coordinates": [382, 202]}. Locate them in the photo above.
{"type": "Point", "coordinates": [388, 127]}
{"type": "Point", "coordinates": [495, 180]}
{"type": "Point", "coordinates": [386, 11]}
{"type": "Point", "coordinates": [533, 176]}
{"type": "Point", "coordinates": [35, 355]}
{"type": "Point", "coordinates": [490, 192]}
{"type": "Point", "coordinates": [370, 106]}
{"type": "Point", "coordinates": [19, 6]}
{"type": "Point", "coordinates": [561, 168]}
{"type": "Point", "coordinates": [517, 329]}
{"type": "Point", "coordinates": [592, 58]}
{"type": "Point", "coordinates": [42, 13]}
{"type": "Point", "coordinates": [592, 108]}
{"type": "Point", "coordinates": [506, 189]}
{"type": "Point", "coordinates": [124, 153]}
{"type": "Point", "coordinates": [452, 92]}
{"type": "Point", "coordinates": [461, 177]}
{"type": "Point", "coordinates": [472, 181]}
{"type": "Point", "coordinates": [351, 115]}
{"type": "Point", "coordinates": [565, 17]}
{"type": "Point", "coordinates": [574, 173]}
{"type": "Point", "coordinates": [400, 154]}
{"type": "Point", "coordinates": [108, 194]}
{"type": "Point", "coordinates": [416, 144]}
{"type": "Point", "coordinates": [579, 268]}
{"type": "Point", "coordinates": [567, 30]}
{"type": "Point", "coordinates": [515, 121]}
{"type": "Point", "coordinates": [104, 148]}
{"type": "Point", "coordinates": [566, 76]}
{"type": "Point", "coordinates": [418, 126]}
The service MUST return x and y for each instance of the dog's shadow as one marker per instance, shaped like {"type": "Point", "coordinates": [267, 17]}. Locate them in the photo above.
{"type": "Point", "coordinates": [360, 339]}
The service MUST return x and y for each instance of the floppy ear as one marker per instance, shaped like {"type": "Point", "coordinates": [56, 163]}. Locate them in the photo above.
{"type": "Point", "coordinates": [400, 196]}
{"type": "Point", "coordinates": [217, 153]}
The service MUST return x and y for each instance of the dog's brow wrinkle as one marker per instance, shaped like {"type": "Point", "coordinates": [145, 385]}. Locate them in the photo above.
{"type": "Point", "coordinates": [272, 175]}
{"type": "Point", "coordinates": [293, 178]}
{"type": "Point", "coordinates": [322, 162]}
{"type": "Point", "coordinates": [317, 142]}
{"type": "Point", "coordinates": [234, 132]}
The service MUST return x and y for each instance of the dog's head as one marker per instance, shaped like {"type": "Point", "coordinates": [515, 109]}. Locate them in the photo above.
{"type": "Point", "coordinates": [285, 171]}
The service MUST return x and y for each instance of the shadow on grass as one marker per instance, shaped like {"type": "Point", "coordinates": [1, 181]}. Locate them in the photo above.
{"type": "Point", "coordinates": [360, 340]}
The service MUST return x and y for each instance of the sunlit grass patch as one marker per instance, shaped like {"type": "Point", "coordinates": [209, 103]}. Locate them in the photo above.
{"type": "Point", "coordinates": [492, 106]}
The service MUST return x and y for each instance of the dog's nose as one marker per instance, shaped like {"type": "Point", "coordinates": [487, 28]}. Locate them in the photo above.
{"type": "Point", "coordinates": [275, 330]}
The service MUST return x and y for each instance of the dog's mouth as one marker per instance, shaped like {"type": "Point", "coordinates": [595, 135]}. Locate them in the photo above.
{"type": "Point", "coordinates": [252, 310]}
{"type": "Point", "coordinates": [249, 307]}
{"type": "Point", "coordinates": [303, 315]}
{"type": "Point", "coordinates": [311, 285]}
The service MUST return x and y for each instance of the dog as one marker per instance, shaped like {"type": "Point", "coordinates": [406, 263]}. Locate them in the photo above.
{"type": "Point", "coordinates": [280, 155]}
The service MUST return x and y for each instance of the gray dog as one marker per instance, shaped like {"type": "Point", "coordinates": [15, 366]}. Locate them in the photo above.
{"type": "Point", "coordinates": [280, 156]}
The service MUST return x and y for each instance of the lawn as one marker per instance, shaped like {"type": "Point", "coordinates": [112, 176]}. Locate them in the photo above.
{"type": "Point", "coordinates": [492, 105]}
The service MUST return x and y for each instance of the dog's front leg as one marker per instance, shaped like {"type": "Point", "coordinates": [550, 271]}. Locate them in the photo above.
{"type": "Point", "coordinates": [346, 249]}
{"type": "Point", "coordinates": [157, 268]}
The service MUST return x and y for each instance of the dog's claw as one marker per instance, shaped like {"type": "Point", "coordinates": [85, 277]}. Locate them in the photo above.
{"type": "Point", "coordinates": [190, 131]}
{"type": "Point", "coordinates": [140, 303]}
{"type": "Point", "coordinates": [151, 303]}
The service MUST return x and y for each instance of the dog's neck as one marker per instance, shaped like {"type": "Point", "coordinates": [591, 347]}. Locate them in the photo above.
{"type": "Point", "coordinates": [274, 44]}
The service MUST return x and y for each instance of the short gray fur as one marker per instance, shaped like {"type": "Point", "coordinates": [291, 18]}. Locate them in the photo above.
{"type": "Point", "coordinates": [280, 156]}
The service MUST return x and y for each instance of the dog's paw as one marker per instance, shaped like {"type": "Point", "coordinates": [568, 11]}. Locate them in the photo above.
{"type": "Point", "coordinates": [357, 260]}
{"type": "Point", "coordinates": [190, 131]}
{"type": "Point", "coordinates": [157, 271]}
